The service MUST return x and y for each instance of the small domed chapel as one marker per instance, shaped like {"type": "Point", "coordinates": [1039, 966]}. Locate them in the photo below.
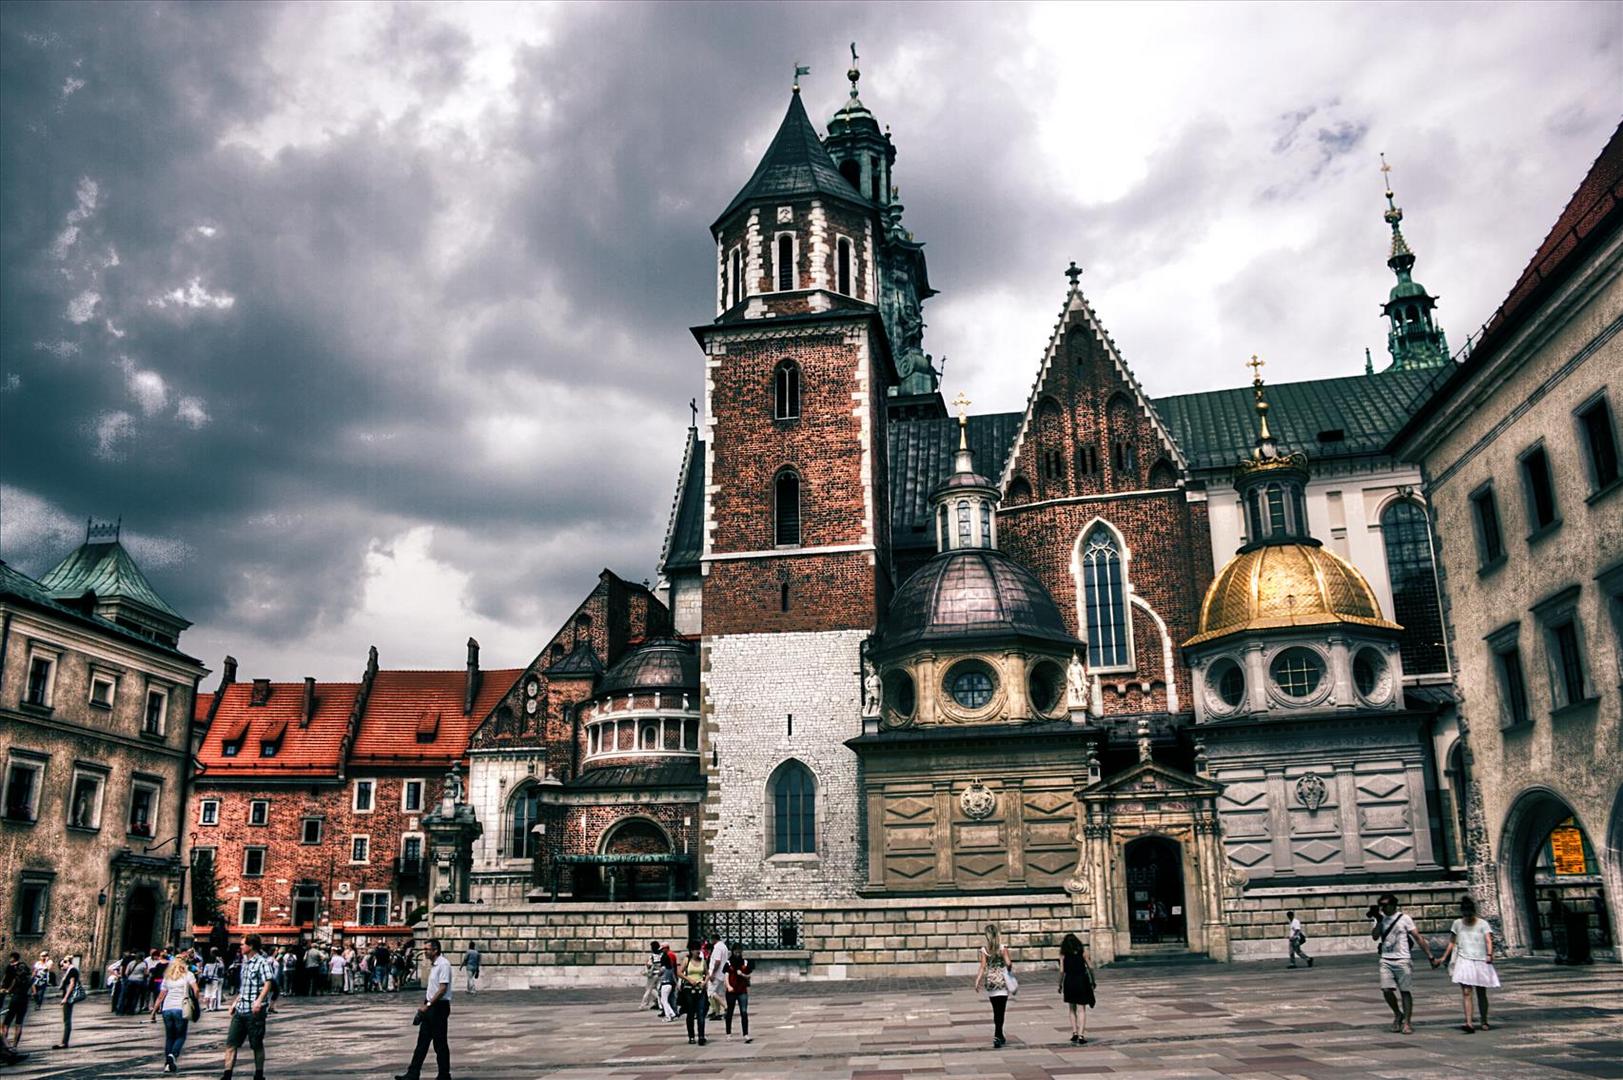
{"type": "Point", "coordinates": [898, 649]}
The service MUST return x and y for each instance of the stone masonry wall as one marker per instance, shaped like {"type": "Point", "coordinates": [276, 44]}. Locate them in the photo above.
{"type": "Point", "coordinates": [1333, 917]}
{"type": "Point", "coordinates": [528, 945]}
{"type": "Point", "coordinates": [753, 683]}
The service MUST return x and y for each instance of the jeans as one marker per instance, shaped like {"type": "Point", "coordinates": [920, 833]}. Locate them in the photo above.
{"type": "Point", "coordinates": [67, 1020]}
{"type": "Point", "coordinates": [698, 1008]}
{"type": "Point", "coordinates": [743, 1003]}
{"type": "Point", "coordinates": [174, 1033]}
{"type": "Point", "coordinates": [435, 1029]}
{"type": "Point", "coordinates": [1296, 950]}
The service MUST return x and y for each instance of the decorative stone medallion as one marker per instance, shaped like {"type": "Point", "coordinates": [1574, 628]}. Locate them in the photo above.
{"type": "Point", "coordinates": [1311, 792]}
{"type": "Point", "coordinates": [978, 801]}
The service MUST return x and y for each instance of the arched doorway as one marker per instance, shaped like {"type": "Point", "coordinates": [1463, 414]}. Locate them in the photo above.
{"type": "Point", "coordinates": [1552, 883]}
{"type": "Point", "coordinates": [637, 881]}
{"type": "Point", "coordinates": [140, 919]}
{"type": "Point", "coordinates": [1155, 895]}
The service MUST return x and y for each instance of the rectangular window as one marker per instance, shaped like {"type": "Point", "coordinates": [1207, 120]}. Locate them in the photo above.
{"type": "Point", "coordinates": [411, 796]}
{"type": "Point", "coordinates": [208, 812]}
{"type": "Point", "coordinates": [102, 688]}
{"type": "Point", "coordinates": [23, 780]}
{"type": "Point", "coordinates": [843, 270]}
{"type": "Point", "coordinates": [360, 849]}
{"type": "Point", "coordinates": [1538, 488]}
{"type": "Point", "coordinates": [411, 850]}
{"type": "Point", "coordinates": [310, 831]}
{"type": "Point", "coordinates": [248, 911]}
{"type": "Point", "coordinates": [33, 895]}
{"type": "Point", "coordinates": [156, 712]}
{"type": "Point", "coordinates": [373, 908]}
{"type": "Point", "coordinates": [736, 278]}
{"type": "Point", "coordinates": [1490, 538]}
{"type": "Point", "coordinates": [143, 808]}
{"type": "Point", "coordinates": [1563, 648]}
{"type": "Point", "coordinates": [259, 812]}
{"type": "Point", "coordinates": [363, 797]}
{"type": "Point", "coordinates": [1568, 663]}
{"type": "Point", "coordinates": [1600, 442]}
{"type": "Point", "coordinates": [253, 862]}
{"type": "Point", "coordinates": [41, 676]}
{"type": "Point", "coordinates": [784, 260]}
{"type": "Point", "coordinates": [1507, 662]}
{"type": "Point", "coordinates": [84, 800]}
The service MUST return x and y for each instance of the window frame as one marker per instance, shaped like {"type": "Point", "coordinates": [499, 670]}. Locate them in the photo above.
{"type": "Point", "coordinates": [35, 763]}
{"type": "Point", "coordinates": [1566, 656]}
{"type": "Point", "coordinates": [304, 829]}
{"type": "Point", "coordinates": [777, 261]}
{"type": "Point", "coordinates": [371, 787]}
{"type": "Point", "coordinates": [242, 910]}
{"type": "Point", "coordinates": [365, 840]}
{"type": "Point", "coordinates": [1405, 526]}
{"type": "Point", "coordinates": [422, 848]}
{"type": "Point", "coordinates": [788, 391]}
{"type": "Point", "coordinates": [27, 881]}
{"type": "Point", "coordinates": [1510, 674]}
{"type": "Point", "coordinates": [253, 804]}
{"type": "Point", "coordinates": [1124, 658]}
{"type": "Point", "coordinates": [155, 787]}
{"type": "Point", "coordinates": [162, 693]}
{"type": "Point", "coordinates": [412, 785]}
{"type": "Point", "coordinates": [1490, 545]}
{"type": "Point", "coordinates": [1598, 403]}
{"type": "Point", "coordinates": [527, 794]}
{"type": "Point", "coordinates": [203, 815]}
{"type": "Point", "coordinates": [845, 263]}
{"type": "Point", "coordinates": [735, 274]}
{"type": "Point", "coordinates": [264, 858]}
{"type": "Point", "coordinates": [800, 807]}
{"type": "Point", "coordinates": [1537, 529]}
{"type": "Point", "coordinates": [107, 679]}
{"type": "Point", "coordinates": [788, 472]}
{"type": "Point", "coordinates": [52, 658]}
{"type": "Point", "coordinates": [361, 906]}
{"type": "Point", "coordinates": [98, 775]}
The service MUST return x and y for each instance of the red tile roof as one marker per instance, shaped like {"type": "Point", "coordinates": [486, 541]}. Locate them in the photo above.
{"type": "Point", "coordinates": [304, 750]}
{"type": "Point", "coordinates": [415, 716]}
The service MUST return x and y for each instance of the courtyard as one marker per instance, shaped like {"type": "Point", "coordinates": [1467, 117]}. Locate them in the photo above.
{"type": "Point", "coordinates": [1255, 1021]}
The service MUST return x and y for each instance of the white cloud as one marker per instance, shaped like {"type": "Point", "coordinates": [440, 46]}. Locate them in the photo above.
{"type": "Point", "coordinates": [112, 429]}
{"type": "Point", "coordinates": [70, 85]}
{"type": "Point", "coordinates": [149, 391]}
{"type": "Point", "coordinates": [191, 412]}
{"type": "Point", "coordinates": [194, 295]}
{"type": "Point", "coordinates": [82, 308]}
{"type": "Point", "coordinates": [29, 522]}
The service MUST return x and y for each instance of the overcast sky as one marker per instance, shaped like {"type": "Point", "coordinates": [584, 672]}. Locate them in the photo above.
{"type": "Point", "coordinates": [371, 320]}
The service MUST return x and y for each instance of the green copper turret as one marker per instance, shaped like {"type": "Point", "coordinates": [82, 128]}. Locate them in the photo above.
{"type": "Point", "coordinates": [1414, 339]}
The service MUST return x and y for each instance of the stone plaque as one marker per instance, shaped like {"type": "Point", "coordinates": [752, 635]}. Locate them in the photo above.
{"type": "Point", "coordinates": [1383, 818]}
{"type": "Point", "coordinates": [980, 836]}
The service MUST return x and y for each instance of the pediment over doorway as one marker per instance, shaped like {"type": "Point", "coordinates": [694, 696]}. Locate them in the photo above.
{"type": "Point", "coordinates": [1151, 780]}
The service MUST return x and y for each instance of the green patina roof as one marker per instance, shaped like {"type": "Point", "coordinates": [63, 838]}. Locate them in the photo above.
{"type": "Point", "coordinates": [107, 570]}
{"type": "Point", "coordinates": [14, 583]}
{"type": "Point", "coordinates": [795, 164]}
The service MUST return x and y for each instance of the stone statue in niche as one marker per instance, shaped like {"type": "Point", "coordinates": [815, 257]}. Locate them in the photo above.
{"type": "Point", "coordinates": [1076, 683]}
{"type": "Point", "coordinates": [873, 690]}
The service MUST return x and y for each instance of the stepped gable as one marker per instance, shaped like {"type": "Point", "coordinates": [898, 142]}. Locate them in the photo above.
{"type": "Point", "coordinates": [1352, 416]}
{"type": "Point", "coordinates": [315, 749]}
{"type": "Point", "coordinates": [414, 716]}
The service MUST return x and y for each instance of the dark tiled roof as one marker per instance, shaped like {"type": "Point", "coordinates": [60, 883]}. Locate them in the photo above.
{"type": "Point", "coordinates": [1217, 428]}
{"type": "Point", "coordinates": [662, 664]}
{"type": "Point", "coordinates": [674, 772]}
{"type": "Point", "coordinates": [921, 454]}
{"type": "Point", "coordinates": [582, 660]}
{"type": "Point", "coordinates": [972, 593]}
{"type": "Point", "coordinates": [795, 164]}
{"type": "Point", "coordinates": [107, 570]}
{"type": "Point", "coordinates": [686, 542]}
{"type": "Point", "coordinates": [20, 586]}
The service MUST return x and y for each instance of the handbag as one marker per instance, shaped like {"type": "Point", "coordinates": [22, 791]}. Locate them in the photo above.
{"type": "Point", "coordinates": [78, 994]}
{"type": "Point", "coordinates": [1012, 983]}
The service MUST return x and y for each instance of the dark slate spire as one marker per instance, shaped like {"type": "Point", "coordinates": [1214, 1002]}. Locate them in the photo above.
{"type": "Point", "coordinates": [795, 164]}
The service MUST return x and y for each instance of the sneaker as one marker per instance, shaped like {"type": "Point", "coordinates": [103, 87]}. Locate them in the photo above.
{"type": "Point", "coordinates": [749, 1038]}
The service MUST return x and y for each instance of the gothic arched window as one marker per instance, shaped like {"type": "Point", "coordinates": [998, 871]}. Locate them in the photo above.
{"type": "Point", "coordinates": [843, 269]}
{"type": "Point", "coordinates": [786, 508]}
{"type": "Point", "coordinates": [792, 799]}
{"type": "Point", "coordinates": [786, 262]}
{"type": "Point", "coordinates": [786, 391]}
{"type": "Point", "coordinates": [523, 813]}
{"type": "Point", "coordinates": [1409, 568]}
{"type": "Point", "coordinates": [1104, 597]}
{"type": "Point", "coordinates": [737, 277]}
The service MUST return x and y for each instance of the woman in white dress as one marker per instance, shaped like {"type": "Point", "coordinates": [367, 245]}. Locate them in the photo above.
{"type": "Point", "coordinates": [1470, 946]}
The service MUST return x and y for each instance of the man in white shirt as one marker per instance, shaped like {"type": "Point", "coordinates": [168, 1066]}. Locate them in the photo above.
{"type": "Point", "coordinates": [1392, 932]}
{"type": "Point", "coordinates": [716, 978]}
{"type": "Point", "coordinates": [1297, 936]}
{"type": "Point", "coordinates": [433, 1017]}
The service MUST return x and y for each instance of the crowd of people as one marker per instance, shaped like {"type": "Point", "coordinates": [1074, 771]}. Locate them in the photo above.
{"type": "Point", "coordinates": [712, 982]}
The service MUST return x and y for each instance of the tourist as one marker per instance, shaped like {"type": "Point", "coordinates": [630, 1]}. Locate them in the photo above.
{"type": "Point", "coordinates": [1296, 937]}
{"type": "Point", "coordinates": [155, 963]}
{"type": "Point", "coordinates": [14, 995]}
{"type": "Point", "coordinates": [315, 971]}
{"type": "Point", "coordinates": [650, 974]}
{"type": "Point", "coordinates": [470, 967]}
{"type": "Point", "coordinates": [1471, 946]}
{"type": "Point", "coordinates": [41, 981]}
{"type": "Point", "coordinates": [115, 982]}
{"type": "Point", "coordinates": [433, 1018]}
{"type": "Point", "coordinates": [213, 976]}
{"type": "Point", "coordinates": [73, 992]}
{"type": "Point", "coordinates": [338, 966]}
{"type": "Point", "coordinates": [716, 978]}
{"type": "Point", "coordinates": [738, 992]}
{"type": "Point", "coordinates": [1076, 986]}
{"type": "Point", "coordinates": [693, 998]}
{"type": "Point", "coordinates": [1393, 931]}
{"type": "Point", "coordinates": [996, 973]}
{"type": "Point", "coordinates": [349, 969]}
{"type": "Point", "coordinates": [177, 999]}
{"type": "Point", "coordinates": [248, 1012]}
{"type": "Point", "coordinates": [134, 997]}
{"type": "Point", "coordinates": [667, 984]}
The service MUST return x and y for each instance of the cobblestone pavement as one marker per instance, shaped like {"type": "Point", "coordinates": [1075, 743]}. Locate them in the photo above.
{"type": "Point", "coordinates": [1156, 1023]}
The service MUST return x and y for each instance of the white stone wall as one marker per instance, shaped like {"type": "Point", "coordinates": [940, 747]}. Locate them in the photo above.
{"type": "Point", "coordinates": [686, 601]}
{"type": "Point", "coordinates": [492, 778]}
{"type": "Point", "coordinates": [753, 682]}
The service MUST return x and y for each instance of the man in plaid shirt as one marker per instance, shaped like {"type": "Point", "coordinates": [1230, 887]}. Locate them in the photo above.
{"type": "Point", "coordinates": [248, 1014]}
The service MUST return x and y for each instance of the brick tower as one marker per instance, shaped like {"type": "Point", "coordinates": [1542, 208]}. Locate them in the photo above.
{"type": "Point", "coordinates": [796, 550]}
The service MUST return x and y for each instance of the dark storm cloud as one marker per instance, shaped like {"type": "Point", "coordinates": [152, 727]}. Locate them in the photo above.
{"type": "Point", "coordinates": [324, 297]}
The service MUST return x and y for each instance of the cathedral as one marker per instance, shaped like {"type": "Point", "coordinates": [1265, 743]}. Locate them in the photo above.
{"type": "Point", "coordinates": [1145, 658]}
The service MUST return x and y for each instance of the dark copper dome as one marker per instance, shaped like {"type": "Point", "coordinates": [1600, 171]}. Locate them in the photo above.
{"type": "Point", "coordinates": [972, 593]}
{"type": "Point", "coordinates": [661, 664]}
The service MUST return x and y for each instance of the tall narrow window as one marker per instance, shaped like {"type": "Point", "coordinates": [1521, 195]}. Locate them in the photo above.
{"type": "Point", "coordinates": [941, 527]}
{"type": "Point", "coordinates": [794, 809]}
{"type": "Point", "coordinates": [1276, 510]}
{"type": "Point", "coordinates": [1600, 442]}
{"type": "Point", "coordinates": [1104, 589]}
{"type": "Point", "coordinates": [786, 262]}
{"type": "Point", "coordinates": [786, 508]}
{"type": "Point", "coordinates": [963, 524]}
{"type": "Point", "coordinates": [525, 811]}
{"type": "Point", "coordinates": [986, 523]}
{"type": "Point", "coordinates": [1512, 686]}
{"type": "Point", "coordinates": [736, 278]}
{"type": "Point", "coordinates": [786, 391]}
{"type": "Point", "coordinates": [843, 272]}
{"type": "Point", "coordinates": [1415, 606]}
{"type": "Point", "coordinates": [1490, 538]}
{"type": "Point", "coordinates": [1539, 488]}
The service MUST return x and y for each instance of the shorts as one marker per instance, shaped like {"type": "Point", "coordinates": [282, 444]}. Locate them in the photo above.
{"type": "Point", "coordinates": [19, 1008]}
{"type": "Point", "coordinates": [1397, 975]}
{"type": "Point", "coordinates": [246, 1026]}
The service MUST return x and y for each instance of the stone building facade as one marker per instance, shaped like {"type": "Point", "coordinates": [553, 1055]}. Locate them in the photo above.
{"type": "Point", "coordinates": [1519, 449]}
{"type": "Point", "coordinates": [96, 704]}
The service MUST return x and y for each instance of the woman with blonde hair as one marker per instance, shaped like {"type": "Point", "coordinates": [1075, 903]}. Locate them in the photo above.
{"type": "Point", "coordinates": [177, 1000]}
{"type": "Point", "coordinates": [996, 973]}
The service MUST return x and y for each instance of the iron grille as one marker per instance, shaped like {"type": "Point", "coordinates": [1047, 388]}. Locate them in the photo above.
{"type": "Point", "coordinates": [750, 930]}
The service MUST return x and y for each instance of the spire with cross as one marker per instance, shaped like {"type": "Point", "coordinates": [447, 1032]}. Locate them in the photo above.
{"type": "Point", "coordinates": [1414, 339]}
{"type": "Point", "coordinates": [962, 403]}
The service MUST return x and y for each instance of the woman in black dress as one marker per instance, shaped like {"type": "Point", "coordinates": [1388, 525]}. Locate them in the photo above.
{"type": "Point", "coordinates": [1076, 984]}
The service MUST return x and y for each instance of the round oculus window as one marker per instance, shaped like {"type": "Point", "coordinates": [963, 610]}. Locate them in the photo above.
{"type": "Point", "coordinates": [532, 688]}
{"type": "Point", "coordinates": [1369, 673]}
{"type": "Point", "coordinates": [899, 693]}
{"type": "Point", "coordinates": [1046, 685]}
{"type": "Point", "coordinates": [1297, 672]}
{"type": "Point", "coordinates": [1228, 683]}
{"type": "Point", "coordinates": [971, 687]}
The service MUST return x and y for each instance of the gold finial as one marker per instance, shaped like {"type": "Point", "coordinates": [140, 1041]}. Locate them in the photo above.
{"type": "Point", "coordinates": [1393, 214]}
{"type": "Point", "coordinates": [1256, 364]}
{"type": "Point", "coordinates": [963, 403]}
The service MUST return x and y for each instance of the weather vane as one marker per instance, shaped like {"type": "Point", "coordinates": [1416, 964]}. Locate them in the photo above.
{"type": "Point", "coordinates": [800, 69]}
{"type": "Point", "coordinates": [853, 74]}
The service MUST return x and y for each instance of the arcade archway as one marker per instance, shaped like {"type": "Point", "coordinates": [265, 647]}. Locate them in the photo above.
{"type": "Point", "coordinates": [1552, 883]}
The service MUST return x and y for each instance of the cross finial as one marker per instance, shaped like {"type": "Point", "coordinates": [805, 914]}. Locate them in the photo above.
{"type": "Point", "coordinates": [1256, 364]}
{"type": "Point", "coordinates": [1074, 272]}
{"type": "Point", "coordinates": [1264, 435]}
{"type": "Point", "coordinates": [693, 412]}
{"type": "Point", "coordinates": [963, 403]}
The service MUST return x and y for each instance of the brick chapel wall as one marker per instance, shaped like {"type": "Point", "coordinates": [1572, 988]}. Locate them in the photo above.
{"type": "Point", "coordinates": [528, 945]}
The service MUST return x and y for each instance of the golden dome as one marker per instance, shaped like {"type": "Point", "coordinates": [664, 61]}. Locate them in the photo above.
{"type": "Point", "coordinates": [1286, 585]}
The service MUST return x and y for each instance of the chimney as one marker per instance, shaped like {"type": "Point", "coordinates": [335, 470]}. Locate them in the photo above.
{"type": "Point", "coordinates": [309, 701]}
{"type": "Point", "coordinates": [473, 677]}
{"type": "Point", "coordinates": [260, 693]}
{"type": "Point", "coordinates": [228, 671]}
